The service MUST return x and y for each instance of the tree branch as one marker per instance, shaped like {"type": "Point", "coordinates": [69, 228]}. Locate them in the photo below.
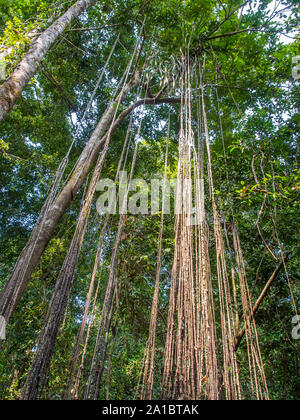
{"type": "Point", "coordinates": [263, 294]}
{"type": "Point", "coordinates": [225, 20]}
{"type": "Point", "coordinates": [126, 112]}
{"type": "Point", "coordinates": [257, 28]}
{"type": "Point", "coordinates": [146, 101]}
{"type": "Point", "coordinates": [233, 33]}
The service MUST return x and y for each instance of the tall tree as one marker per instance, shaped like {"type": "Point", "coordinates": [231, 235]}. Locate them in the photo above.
{"type": "Point", "coordinates": [250, 99]}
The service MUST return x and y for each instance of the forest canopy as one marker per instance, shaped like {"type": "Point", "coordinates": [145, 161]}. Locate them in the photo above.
{"type": "Point", "coordinates": [198, 299]}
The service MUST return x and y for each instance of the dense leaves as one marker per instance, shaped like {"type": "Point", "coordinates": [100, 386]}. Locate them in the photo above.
{"type": "Point", "coordinates": [249, 89]}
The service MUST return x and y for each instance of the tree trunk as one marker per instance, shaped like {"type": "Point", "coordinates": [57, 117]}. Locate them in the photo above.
{"type": "Point", "coordinates": [42, 233]}
{"type": "Point", "coordinates": [12, 89]}
{"type": "Point", "coordinates": [57, 307]}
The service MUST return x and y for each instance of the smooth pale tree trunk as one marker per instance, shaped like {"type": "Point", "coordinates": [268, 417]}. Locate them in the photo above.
{"type": "Point", "coordinates": [42, 233]}
{"type": "Point", "coordinates": [12, 89]}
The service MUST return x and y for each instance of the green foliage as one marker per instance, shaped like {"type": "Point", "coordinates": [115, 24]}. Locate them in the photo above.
{"type": "Point", "coordinates": [258, 103]}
